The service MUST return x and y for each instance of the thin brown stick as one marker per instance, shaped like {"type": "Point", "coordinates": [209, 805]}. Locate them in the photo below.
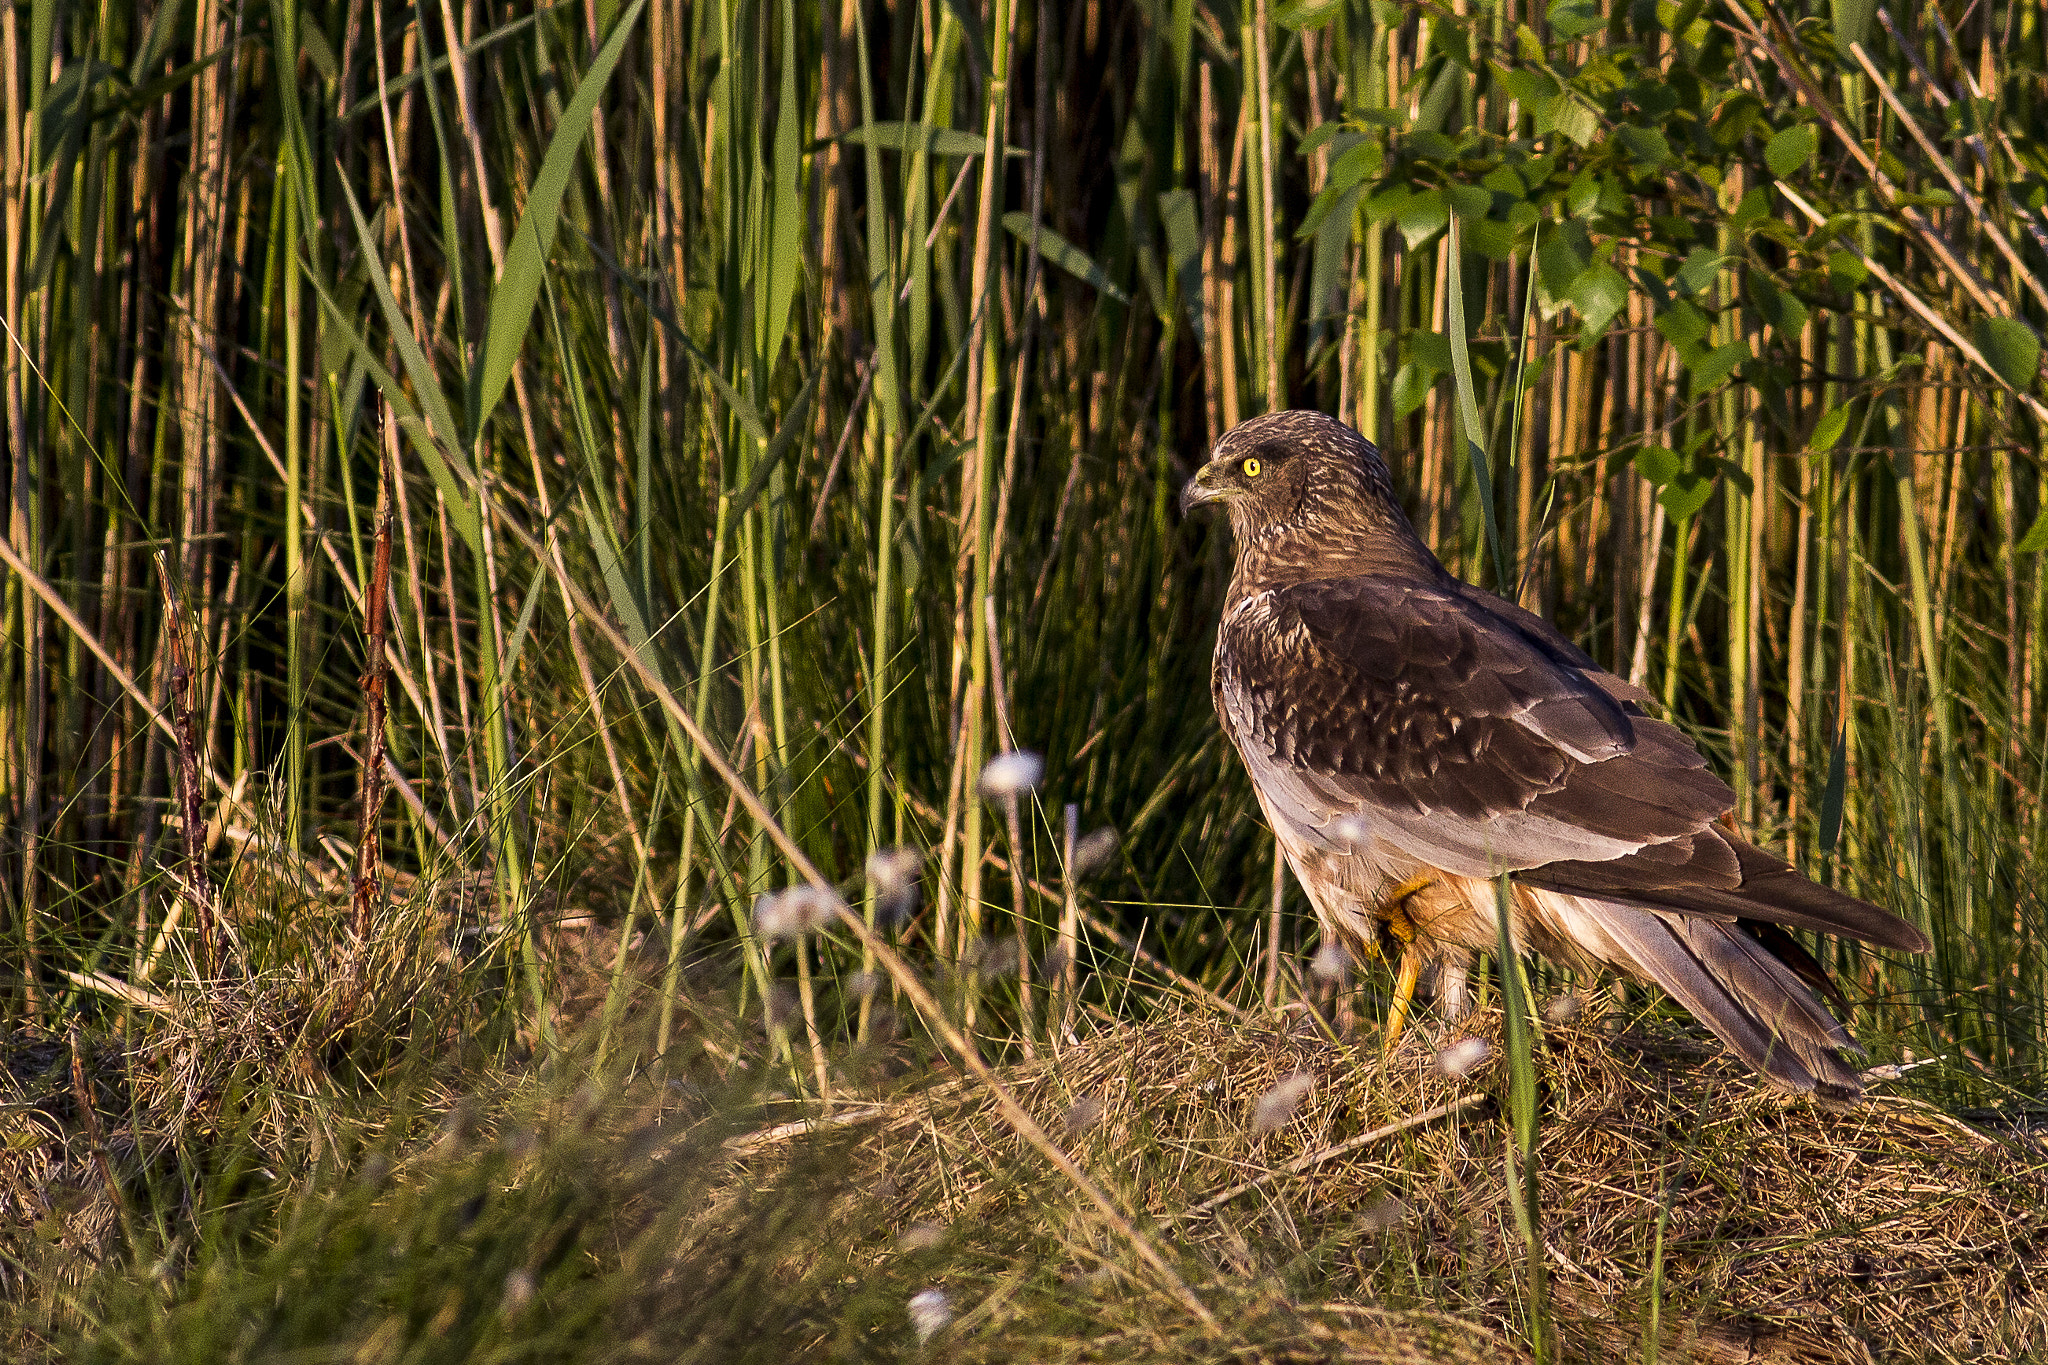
{"type": "Point", "coordinates": [197, 887]}
{"type": "Point", "coordinates": [369, 887]}
{"type": "Point", "coordinates": [1316, 1158]}
{"type": "Point", "coordinates": [783, 1132]}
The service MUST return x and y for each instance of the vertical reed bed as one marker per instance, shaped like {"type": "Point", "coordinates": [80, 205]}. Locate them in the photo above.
{"type": "Point", "coordinates": [799, 392]}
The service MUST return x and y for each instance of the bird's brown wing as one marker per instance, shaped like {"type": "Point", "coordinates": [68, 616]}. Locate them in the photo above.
{"type": "Point", "coordinates": [1470, 735]}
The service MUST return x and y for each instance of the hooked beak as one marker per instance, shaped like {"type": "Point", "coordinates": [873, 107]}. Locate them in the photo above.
{"type": "Point", "coordinates": [1202, 488]}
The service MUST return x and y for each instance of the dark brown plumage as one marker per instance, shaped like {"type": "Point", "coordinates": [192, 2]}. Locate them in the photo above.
{"type": "Point", "coordinates": [1402, 726]}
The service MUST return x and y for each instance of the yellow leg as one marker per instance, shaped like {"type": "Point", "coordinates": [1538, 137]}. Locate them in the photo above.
{"type": "Point", "coordinates": [1404, 997]}
{"type": "Point", "coordinates": [1394, 909]}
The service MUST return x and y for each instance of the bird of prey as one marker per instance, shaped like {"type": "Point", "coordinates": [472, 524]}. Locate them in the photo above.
{"type": "Point", "coordinates": [1412, 737]}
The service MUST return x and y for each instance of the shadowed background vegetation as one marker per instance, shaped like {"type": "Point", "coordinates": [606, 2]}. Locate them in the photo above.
{"type": "Point", "coordinates": [805, 388]}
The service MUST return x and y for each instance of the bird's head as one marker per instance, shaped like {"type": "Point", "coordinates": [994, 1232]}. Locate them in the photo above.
{"type": "Point", "coordinates": [1301, 474]}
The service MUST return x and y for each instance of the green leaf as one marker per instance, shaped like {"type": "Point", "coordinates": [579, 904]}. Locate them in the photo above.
{"type": "Point", "coordinates": [461, 506]}
{"type": "Point", "coordinates": [1852, 22]}
{"type": "Point", "coordinates": [1834, 797]}
{"type": "Point", "coordinates": [1783, 311]}
{"type": "Point", "coordinates": [2011, 347]}
{"type": "Point", "coordinates": [1598, 294]}
{"type": "Point", "coordinates": [1847, 269]}
{"type": "Point", "coordinates": [517, 643]}
{"type": "Point", "coordinates": [1178, 215]}
{"type": "Point", "coordinates": [1532, 85]}
{"type": "Point", "coordinates": [1443, 97]}
{"type": "Point", "coordinates": [1332, 260]}
{"type": "Point", "coordinates": [1658, 464]}
{"type": "Point", "coordinates": [1829, 429]}
{"type": "Point", "coordinates": [313, 43]}
{"type": "Point", "coordinates": [1686, 494]}
{"type": "Point", "coordinates": [1468, 201]}
{"type": "Point", "coordinates": [1575, 18]}
{"type": "Point", "coordinates": [426, 385]}
{"type": "Point", "coordinates": [1064, 254]}
{"type": "Point", "coordinates": [786, 223]}
{"type": "Point", "coordinates": [1301, 14]}
{"type": "Point", "coordinates": [1696, 274]}
{"type": "Point", "coordinates": [1421, 216]}
{"type": "Point", "coordinates": [1411, 386]}
{"type": "Point", "coordinates": [921, 137]}
{"type": "Point", "coordinates": [1790, 149]}
{"type": "Point", "coordinates": [2036, 537]}
{"type": "Point", "coordinates": [1684, 326]}
{"type": "Point", "coordinates": [518, 287]}
{"type": "Point", "coordinates": [1347, 173]}
{"type": "Point", "coordinates": [1561, 258]}
{"type": "Point", "coordinates": [599, 537]}
{"type": "Point", "coordinates": [1646, 147]}
{"type": "Point", "coordinates": [1432, 351]}
{"type": "Point", "coordinates": [1716, 365]}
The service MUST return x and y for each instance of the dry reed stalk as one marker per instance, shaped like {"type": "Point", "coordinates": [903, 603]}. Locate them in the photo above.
{"type": "Point", "coordinates": [1070, 922]}
{"type": "Point", "coordinates": [1210, 170]}
{"type": "Point", "coordinates": [1006, 735]}
{"type": "Point", "coordinates": [1986, 228]}
{"type": "Point", "coordinates": [368, 890]}
{"type": "Point", "coordinates": [1274, 345]}
{"type": "Point", "coordinates": [23, 531]}
{"type": "Point", "coordinates": [1918, 306]}
{"type": "Point", "coordinates": [1226, 283]}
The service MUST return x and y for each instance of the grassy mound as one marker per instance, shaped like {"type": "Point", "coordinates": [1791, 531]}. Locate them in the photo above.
{"type": "Point", "coordinates": [1790, 1231]}
{"type": "Point", "coordinates": [218, 1188]}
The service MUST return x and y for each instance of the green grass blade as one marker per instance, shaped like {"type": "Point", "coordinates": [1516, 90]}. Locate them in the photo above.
{"type": "Point", "coordinates": [518, 288]}
{"type": "Point", "coordinates": [1468, 408]}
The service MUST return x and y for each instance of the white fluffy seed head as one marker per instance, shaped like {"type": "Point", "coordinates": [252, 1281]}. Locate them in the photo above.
{"type": "Point", "coordinates": [1277, 1105]}
{"type": "Point", "coordinates": [1463, 1056]}
{"type": "Point", "coordinates": [1085, 1114]}
{"type": "Point", "coordinates": [1385, 1214]}
{"type": "Point", "coordinates": [921, 1237]}
{"type": "Point", "coordinates": [895, 873]}
{"type": "Point", "coordinates": [1096, 849]}
{"type": "Point", "coordinates": [1330, 962]}
{"type": "Point", "coordinates": [800, 910]}
{"type": "Point", "coordinates": [1564, 1008]}
{"type": "Point", "coordinates": [519, 1291]}
{"type": "Point", "coordinates": [997, 957]}
{"type": "Point", "coordinates": [930, 1311]}
{"type": "Point", "coordinates": [1011, 774]}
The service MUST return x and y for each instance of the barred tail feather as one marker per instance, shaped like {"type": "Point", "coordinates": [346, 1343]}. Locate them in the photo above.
{"type": "Point", "coordinates": [1734, 984]}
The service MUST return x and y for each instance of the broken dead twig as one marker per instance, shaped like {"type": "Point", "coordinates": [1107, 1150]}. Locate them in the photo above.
{"type": "Point", "coordinates": [118, 989]}
{"type": "Point", "coordinates": [1316, 1158]}
{"type": "Point", "coordinates": [783, 1132]}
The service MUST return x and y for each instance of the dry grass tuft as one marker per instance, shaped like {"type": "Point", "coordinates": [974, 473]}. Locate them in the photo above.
{"type": "Point", "coordinates": [1795, 1232]}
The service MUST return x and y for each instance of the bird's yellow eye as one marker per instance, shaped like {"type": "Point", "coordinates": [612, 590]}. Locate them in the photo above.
{"type": "Point", "coordinates": [1251, 467]}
